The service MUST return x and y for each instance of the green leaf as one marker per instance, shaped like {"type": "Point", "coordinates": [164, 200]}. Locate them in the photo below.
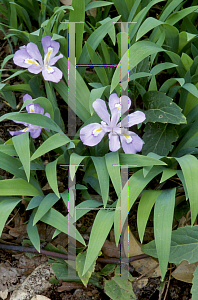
{"type": "Point", "coordinates": [189, 166]}
{"type": "Point", "coordinates": [22, 147]}
{"type": "Point", "coordinates": [101, 227]}
{"type": "Point", "coordinates": [137, 52]}
{"type": "Point", "coordinates": [32, 232]}
{"type": "Point", "coordinates": [17, 187]}
{"type": "Point", "coordinates": [113, 167]}
{"type": "Point", "coordinates": [8, 149]}
{"type": "Point", "coordinates": [162, 109]}
{"type": "Point", "coordinates": [194, 289]}
{"type": "Point", "coordinates": [6, 207]}
{"type": "Point", "coordinates": [163, 219]}
{"type": "Point", "coordinates": [97, 4]}
{"type": "Point", "coordinates": [45, 206]}
{"type": "Point", "coordinates": [51, 175]}
{"type": "Point", "coordinates": [146, 26]}
{"type": "Point", "coordinates": [35, 202]}
{"type": "Point", "coordinates": [101, 72]}
{"type": "Point", "coordinates": [57, 220]}
{"type": "Point", "coordinates": [119, 288]}
{"type": "Point", "coordinates": [55, 141]}
{"type": "Point", "coordinates": [158, 138]}
{"type": "Point", "coordinates": [137, 160]}
{"type": "Point", "coordinates": [80, 261]}
{"type": "Point", "coordinates": [11, 165]}
{"type": "Point", "coordinates": [122, 9]}
{"type": "Point", "coordinates": [144, 208]}
{"type": "Point", "coordinates": [78, 15]}
{"type": "Point", "coordinates": [75, 159]}
{"type": "Point", "coordinates": [103, 177]}
{"type": "Point", "coordinates": [131, 190]}
{"type": "Point", "coordinates": [184, 243]}
{"type": "Point", "coordinates": [167, 173]}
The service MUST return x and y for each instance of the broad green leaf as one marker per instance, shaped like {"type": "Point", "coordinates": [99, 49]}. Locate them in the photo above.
{"type": "Point", "coordinates": [137, 52]}
{"type": "Point", "coordinates": [184, 243]}
{"type": "Point", "coordinates": [51, 175]}
{"type": "Point", "coordinates": [78, 15]}
{"type": "Point", "coordinates": [45, 206]}
{"type": "Point", "coordinates": [187, 61]}
{"type": "Point", "coordinates": [35, 119]}
{"type": "Point", "coordinates": [35, 202]}
{"type": "Point", "coordinates": [101, 72]}
{"type": "Point", "coordinates": [17, 187]}
{"type": "Point", "coordinates": [137, 160]}
{"type": "Point", "coordinates": [22, 147]}
{"type": "Point", "coordinates": [158, 138]}
{"type": "Point", "coordinates": [160, 67]}
{"type": "Point", "coordinates": [32, 232]}
{"type": "Point", "coordinates": [55, 141]}
{"type": "Point", "coordinates": [101, 227]}
{"type": "Point", "coordinates": [163, 219]}
{"type": "Point", "coordinates": [75, 159]}
{"type": "Point", "coordinates": [113, 167]}
{"type": "Point", "coordinates": [8, 149]}
{"type": "Point", "coordinates": [146, 26]}
{"type": "Point", "coordinates": [119, 288]}
{"type": "Point", "coordinates": [144, 208]}
{"type": "Point", "coordinates": [167, 173]}
{"type": "Point", "coordinates": [122, 9]}
{"type": "Point", "coordinates": [194, 289]}
{"type": "Point", "coordinates": [80, 261]}
{"type": "Point", "coordinates": [97, 4]}
{"type": "Point", "coordinates": [6, 207]}
{"type": "Point", "coordinates": [162, 109]}
{"type": "Point", "coordinates": [189, 166]}
{"type": "Point", "coordinates": [103, 177]}
{"type": "Point", "coordinates": [57, 220]}
{"type": "Point", "coordinates": [179, 15]}
{"type": "Point", "coordinates": [131, 190]}
{"type": "Point", "coordinates": [11, 165]}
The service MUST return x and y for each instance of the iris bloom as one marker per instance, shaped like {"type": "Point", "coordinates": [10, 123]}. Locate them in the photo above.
{"type": "Point", "coordinates": [93, 133]}
{"type": "Point", "coordinates": [30, 57]}
{"type": "Point", "coordinates": [34, 130]}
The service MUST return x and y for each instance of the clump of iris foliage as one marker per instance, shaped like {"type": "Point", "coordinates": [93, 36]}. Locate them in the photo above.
{"type": "Point", "coordinates": [162, 99]}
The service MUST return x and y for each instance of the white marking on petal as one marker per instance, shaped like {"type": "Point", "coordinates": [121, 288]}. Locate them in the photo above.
{"type": "Point", "coordinates": [31, 61]}
{"type": "Point", "coordinates": [48, 55]}
{"type": "Point", "coordinates": [118, 106]}
{"type": "Point", "coordinates": [96, 132]}
{"type": "Point", "coordinates": [128, 138]}
{"type": "Point", "coordinates": [50, 70]}
{"type": "Point", "coordinates": [32, 108]}
{"type": "Point", "coordinates": [25, 129]}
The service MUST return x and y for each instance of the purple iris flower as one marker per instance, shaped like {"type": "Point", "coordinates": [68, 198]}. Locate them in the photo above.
{"type": "Point", "coordinates": [34, 130]}
{"type": "Point", "coordinates": [30, 57]}
{"type": "Point", "coordinates": [93, 133]}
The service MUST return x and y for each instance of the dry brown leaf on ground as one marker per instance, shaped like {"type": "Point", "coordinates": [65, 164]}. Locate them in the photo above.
{"type": "Point", "coordinates": [184, 271]}
{"type": "Point", "coordinates": [68, 286]}
{"type": "Point", "coordinates": [147, 266]}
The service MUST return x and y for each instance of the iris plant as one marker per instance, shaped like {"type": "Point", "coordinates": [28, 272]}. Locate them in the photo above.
{"type": "Point", "coordinates": [93, 133]}
{"type": "Point", "coordinates": [30, 57]}
{"type": "Point", "coordinates": [34, 130]}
